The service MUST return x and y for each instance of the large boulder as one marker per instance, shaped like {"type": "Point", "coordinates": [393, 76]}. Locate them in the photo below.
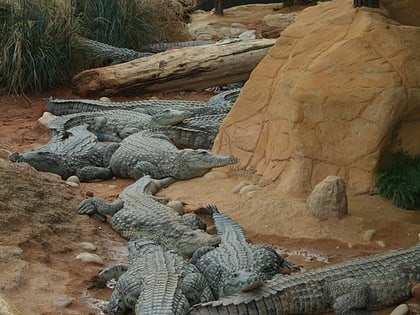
{"type": "Point", "coordinates": [337, 87]}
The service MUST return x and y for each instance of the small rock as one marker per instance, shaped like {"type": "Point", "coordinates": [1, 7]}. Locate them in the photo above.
{"type": "Point", "coordinates": [416, 292]}
{"type": "Point", "coordinates": [367, 236]}
{"type": "Point", "coordinates": [72, 184]}
{"type": "Point", "coordinates": [177, 206]}
{"type": "Point", "coordinates": [247, 35]}
{"type": "Point", "coordinates": [328, 199]}
{"type": "Point", "coordinates": [88, 246]}
{"type": "Point", "coordinates": [401, 309]}
{"type": "Point", "coordinates": [215, 174]}
{"type": "Point", "coordinates": [238, 187]}
{"type": "Point", "coordinates": [73, 179]}
{"type": "Point", "coordinates": [46, 118]}
{"type": "Point", "coordinates": [90, 258]}
{"type": "Point", "coordinates": [62, 302]}
{"type": "Point", "coordinates": [246, 189]}
{"type": "Point", "coordinates": [381, 244]}
{"type": "Point", "coordinates": [105, 99]}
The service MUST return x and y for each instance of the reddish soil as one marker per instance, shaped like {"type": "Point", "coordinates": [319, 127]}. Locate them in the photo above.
{"type": "Point", "coordinates": [41, 233]}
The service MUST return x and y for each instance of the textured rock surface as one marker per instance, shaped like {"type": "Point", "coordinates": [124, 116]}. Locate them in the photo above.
{"type": "Point", "coordinates": [273, 24]}
{"type": "Point", "coordinates": [328, 98]}
{"type": "Point", "coordinates": [328, 199]}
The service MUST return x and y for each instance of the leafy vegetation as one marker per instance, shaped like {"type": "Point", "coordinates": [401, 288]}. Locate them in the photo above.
{"type": "Point", "coordinates": [399, 179]}
{"type": "Point", "coordinates": [120, 23]}
{"type": "Point", "coordinates": [35, 41]}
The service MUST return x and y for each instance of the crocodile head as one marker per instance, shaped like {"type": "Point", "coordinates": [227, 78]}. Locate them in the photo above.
{"type": "Point", "coordinates": [195, 163]}
{"type": "Point", "coordinates": [192, 240]}
{"type": "Point", "coordinates": [43, 161]}
{"type": "Point", "coordinates": [169, 117]}
{"type": "Point", "coordinates": [240, 281]}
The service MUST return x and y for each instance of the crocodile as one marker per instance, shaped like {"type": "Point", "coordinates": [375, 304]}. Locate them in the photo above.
{"type": "Point", "coordinates": [227, 97]}
{"type": "Point", "coordinates": [59, 107]}
{"type": "Point", "coordinates": [187, 138]}
{"type": "Point", "coordinates": [148, 153]}
{"type": "Point", "coordinates": [135, 215]}
{"type": "Point", "coordinates": [101, 54]}
{"type": "Point", "coordinates": [114, 125]}
{"type": "Point", "coordinates": [154, 282]}
{"type": "Point", "coordinates": [235, 265]}
{"type": "Point", "coordinates": [366, 3]}
{"type": "Point", "coordinates": [79, 153]}
{"type": "Point", "coordinates": [354, 287]}
{"type": "Point", "coordinates": [163, 46]}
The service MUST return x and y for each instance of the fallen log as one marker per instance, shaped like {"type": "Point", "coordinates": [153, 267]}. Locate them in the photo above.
{"type": "Point", "coordinates": [182, 69]}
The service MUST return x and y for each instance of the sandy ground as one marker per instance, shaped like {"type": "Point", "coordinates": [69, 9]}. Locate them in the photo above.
{"type": "Point", "coordinates": [41, 234]}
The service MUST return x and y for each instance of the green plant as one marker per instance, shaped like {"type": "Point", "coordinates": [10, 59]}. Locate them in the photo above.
{"type": "Point", "coordinates": [399, 179]}
{"type": "Point", "coordinates": [121, 23]}
{"type": "Point", "coordinates": [35, 41]}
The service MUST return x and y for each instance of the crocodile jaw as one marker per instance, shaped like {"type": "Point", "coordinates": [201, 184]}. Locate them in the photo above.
{"type": "Point", "coordinates": [193, 240]}
{"type": "Point", "coordinates": [196, 163]}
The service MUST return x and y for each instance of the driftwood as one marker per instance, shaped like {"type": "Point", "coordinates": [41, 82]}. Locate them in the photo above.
{"type": "Point", "coordinates": [182, 69]}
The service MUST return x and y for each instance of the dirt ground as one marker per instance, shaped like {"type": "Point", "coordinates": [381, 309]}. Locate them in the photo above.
{"type": "Point", "coordinates": [41, 234]}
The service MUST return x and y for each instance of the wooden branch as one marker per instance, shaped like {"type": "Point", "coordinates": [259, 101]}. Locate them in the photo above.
{"type": "Point", "coordinates": [182, 69]}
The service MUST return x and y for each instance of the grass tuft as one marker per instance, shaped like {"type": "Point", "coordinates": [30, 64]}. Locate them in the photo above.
{"type": "Point", "coordinates": [400, 180]}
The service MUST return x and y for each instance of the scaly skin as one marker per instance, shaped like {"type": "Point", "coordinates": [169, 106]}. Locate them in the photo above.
{"type": "Point", "coordinates": [135, 215]}
{"type": "Point", "coordinates": [80, 154]}
{"type": "Point", "coordinates": [114, 125]}
{"type": "Point", "coordinates": [145, 153]}
{"type": "Point", "coordinates": [235, 265]}
{"type": "Point", "coordinates": [155, 282]}
{"type": "Point", "coordinates": [354, 287]}
{"type": "Point", "coordinates": [149, 107]}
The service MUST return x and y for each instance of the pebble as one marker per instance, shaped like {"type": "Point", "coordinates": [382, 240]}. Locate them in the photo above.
{"type": "Point", "coordinates": [416, 292]}
{"type": "Point", "coordinates": [46, 118]}
{"type": "Point", "coordinates": [248, 188]}
{"type": "Point", "coordinates": [177, 206]}
{"type": "Point", "coordinates": [215, 174]}
{"type": "Point", "coordinates": [72, 184]}
{"type": "Point", "coordinates": [62, 302]}
{"type": "Point", "coordinates": [238, 187]}
{"type": "Point", "coordinates": [90, 258]}
{"type": "Point", "coordinates": [105, 99]}
{"type": "Point", "coordinates": [401, 309]}
{"type": "Point", "coordinates": [88, 246]}
{"type": "Point", "coordinates": [73, 179]}
{"type": "Point", "coordinates": [381, 244]}
{"type": "Point", "coordinates": [367, 236]}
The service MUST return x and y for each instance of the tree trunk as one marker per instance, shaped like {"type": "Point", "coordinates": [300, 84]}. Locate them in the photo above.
{"type": "Point", "coordinates": [183, 69]}
{"type": "Point", "coordinates": [218, 6]}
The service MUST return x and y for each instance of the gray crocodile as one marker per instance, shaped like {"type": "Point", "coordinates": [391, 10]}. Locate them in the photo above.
{"type": "Point", "coordinates": [150, 107]}
{"type": "Point", "coordinates": [135, 215]}
{"type": "Point", "coordinates": [146, 153]}
{"type": "Point", "coordinates": [101, 54]}
{"type": "Point", "coordinates": [354, 287]}
{"type": "Point", "coordinates": [114, 125]}
{"type": "Point", "coordinates": [235, 265]}
{"type": "Point", "coordinates": [366, 3]}
{"type": "Point", "coordinates": [227, 97]}
{"type": "Point", "coordinates": [79, 153]}
{"type": "Point", "coordinates": [187, 138]}
{"type": "Point", "coordinates": [163, 46]}
{"type": "Point", "coordinates": [154, 282]}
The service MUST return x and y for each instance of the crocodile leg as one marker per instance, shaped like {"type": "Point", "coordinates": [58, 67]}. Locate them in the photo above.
{"type": "Point", "coordinates": [350, 296]}
{"type": "Point", "coordinates": [99, 207]}
{"type": "Point", "coordinates": [109, 273]}
{"type": "Point", "coordinates": [90, 173]}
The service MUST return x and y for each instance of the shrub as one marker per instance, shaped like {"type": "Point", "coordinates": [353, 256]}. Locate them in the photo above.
{"type": "Point", "coordinates": [120, 23]}
{"type": "Point", "coordinates": [35, 41]}
{"type": "Point", "coordinates": [399, 179]}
